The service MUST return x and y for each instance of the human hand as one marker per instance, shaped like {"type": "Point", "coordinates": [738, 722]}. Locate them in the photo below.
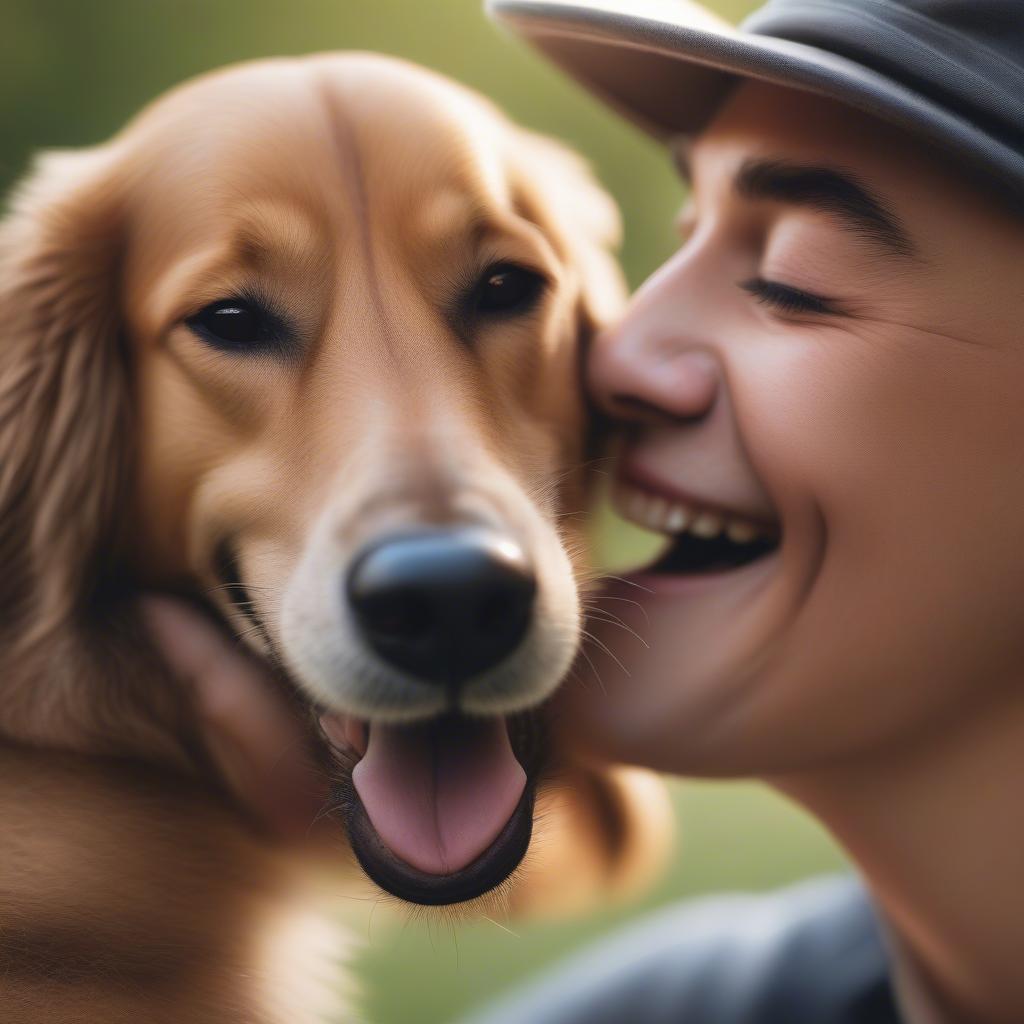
{"type": "Point", "coordinates": [257, 739]}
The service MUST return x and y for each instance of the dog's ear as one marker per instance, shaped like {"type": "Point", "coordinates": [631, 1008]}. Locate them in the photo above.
{"type": "Point", "coordinates": [63, 392]}
{"type": "Point", "coordinates": [70, 670]}
{"type": "Point", "coordinates": [562, 192]}
{"type": "Point", "coordinates": [601, 834]}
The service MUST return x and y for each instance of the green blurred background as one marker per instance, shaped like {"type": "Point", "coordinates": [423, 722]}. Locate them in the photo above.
{"type": "Point", "coordinates": [74, 71]}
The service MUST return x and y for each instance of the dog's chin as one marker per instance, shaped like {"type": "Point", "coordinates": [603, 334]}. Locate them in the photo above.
{"type": "Point", "coordinates": [482, 875]}
{"type": "Point", "coordinates": [438, 812]}
{"type": "Point", "coordinates": [459, 853]}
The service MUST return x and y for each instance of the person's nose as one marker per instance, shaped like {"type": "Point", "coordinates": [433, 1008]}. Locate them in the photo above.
{"type": "Point", "coordinates": [645, 369]}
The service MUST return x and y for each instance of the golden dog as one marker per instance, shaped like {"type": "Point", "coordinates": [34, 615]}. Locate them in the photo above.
{"type": "Point", "coordinates": [302, 342]}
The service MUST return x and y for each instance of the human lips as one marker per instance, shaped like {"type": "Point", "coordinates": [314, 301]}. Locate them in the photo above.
{"type": "Point", "coordinates": [707, 534]}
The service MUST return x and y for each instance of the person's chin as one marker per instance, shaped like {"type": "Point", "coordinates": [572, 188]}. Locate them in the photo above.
{"type": "Point", "coordinates": [669, 664]}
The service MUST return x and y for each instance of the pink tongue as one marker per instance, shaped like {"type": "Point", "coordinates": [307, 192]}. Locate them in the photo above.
{"type": "Point", "coordinates": [439, 794]}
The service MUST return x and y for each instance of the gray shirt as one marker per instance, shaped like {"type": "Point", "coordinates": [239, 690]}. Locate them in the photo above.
{"type": "Point", "coordinates": [813, 953]}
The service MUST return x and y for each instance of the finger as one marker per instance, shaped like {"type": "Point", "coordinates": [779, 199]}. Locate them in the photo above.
{"type": "Point", "coordinates": [260, 745]}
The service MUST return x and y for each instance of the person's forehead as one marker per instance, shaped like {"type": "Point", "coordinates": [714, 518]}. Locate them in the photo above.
{"type": "Point", "coordinates": [759, 119]}
{"type": "Point", "coordinates": [938, 203]}
{"type": "Point", "coordinates": [774, 122]}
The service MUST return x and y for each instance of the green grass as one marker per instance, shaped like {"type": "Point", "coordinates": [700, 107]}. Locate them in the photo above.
{"type": "Point", "coordinates": [733, 836]}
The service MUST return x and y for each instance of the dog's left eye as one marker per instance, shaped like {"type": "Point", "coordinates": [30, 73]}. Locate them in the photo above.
{"type": "Point", "coordinates": [238, 325]}
{"type": "Point", "coordinates": [507, 289]}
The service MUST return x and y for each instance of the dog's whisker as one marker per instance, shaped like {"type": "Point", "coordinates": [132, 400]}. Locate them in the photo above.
{"type": "Point", "coordinates": [593, 671]}
{"type": "Point", "coordinates": [615, 621]}
{"type": "Point", "coordinates": [249, 632]}
{"type": "Point", "coordinates": [606, 649]}
{"type": "Point", "coordinates": [504, 928]}
{"type": "Point", "coordinates": [622, 579]}
{"type": "Point", "coordinates": [321, 815]}
{"type": "Point", "coordinates": [579, 467]}
{"type": "Point", "coordinates": [238, 586]}
{"type": "Point", "coordinates": [590, 604]}
{"type": "Point", "coordinates": [625, 600]}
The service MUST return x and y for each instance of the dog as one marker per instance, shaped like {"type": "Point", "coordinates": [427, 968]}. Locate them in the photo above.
{"type": "Point", "coordinates": [300, 344]}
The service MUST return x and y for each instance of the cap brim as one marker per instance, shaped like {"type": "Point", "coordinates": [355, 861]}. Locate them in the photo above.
{"type": "Point", "coordinates": [667, 67]}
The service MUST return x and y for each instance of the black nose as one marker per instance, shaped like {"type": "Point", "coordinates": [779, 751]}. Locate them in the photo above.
{"type": "Point", "coordinates": [443, 605]}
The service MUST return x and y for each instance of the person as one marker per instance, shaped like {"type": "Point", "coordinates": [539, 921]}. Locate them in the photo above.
{"type": "Point", "coordinates": [820, 405]}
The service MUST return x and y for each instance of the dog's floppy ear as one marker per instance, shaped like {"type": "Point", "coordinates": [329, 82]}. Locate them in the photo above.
{"type": "Point", "coordinates": [602, 832]}
{"type": "Point", "coordinates": [63, 394]}
{"type": "Point", "coordinates": [562, 191]}
{"type": "Point", "coordinates": [64, 410]}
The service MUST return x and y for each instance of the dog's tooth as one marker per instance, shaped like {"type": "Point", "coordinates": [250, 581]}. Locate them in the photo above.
{"type": "Point", "coordinates": [706, 525]}
{"type": "Point", "coordinates": [678, 518]}
{"type": "Point", "coordinates": [740, 531]}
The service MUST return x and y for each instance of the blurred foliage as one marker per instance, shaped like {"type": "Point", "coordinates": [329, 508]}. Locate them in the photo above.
{"type": "Point", "coordinates": [74, 71]}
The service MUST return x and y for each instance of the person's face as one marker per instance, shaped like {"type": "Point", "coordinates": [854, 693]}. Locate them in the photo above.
{"type": "Point", "coordinates": [832, 364]}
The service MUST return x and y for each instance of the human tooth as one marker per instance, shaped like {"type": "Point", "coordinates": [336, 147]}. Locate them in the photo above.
{"type": "Point", "coordinates": [646, 508]}
{"type": "Point", "coordinates": [636, 504]}
{"type": "Point", "coordinates": [706, 525]}
{"type": "Point", "coordinates": [677, 518]}
{"type": "Point", "coordinates": [657, 509]}
{"type": "Point", "coordinates": [741, 532]}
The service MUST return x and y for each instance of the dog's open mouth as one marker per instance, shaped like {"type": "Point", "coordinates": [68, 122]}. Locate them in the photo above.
{"type": "Point", "coordinates": [437, 812]}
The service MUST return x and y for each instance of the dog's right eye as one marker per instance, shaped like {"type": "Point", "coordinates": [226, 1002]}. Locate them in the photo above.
{"type": "Point", "coordinates": [506, 289]}
{"type": "Point", "coordinates": [238, 325]}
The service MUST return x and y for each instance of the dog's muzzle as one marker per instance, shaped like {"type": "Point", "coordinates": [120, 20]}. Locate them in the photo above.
{"type": "Point", "coordinates": [440, 810]}
{"type": "Point", "coordinates": [443, 606]}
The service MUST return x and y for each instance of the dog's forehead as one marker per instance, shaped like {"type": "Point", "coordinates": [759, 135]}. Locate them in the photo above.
{"type": "Point", "coordinates": [329, 133]}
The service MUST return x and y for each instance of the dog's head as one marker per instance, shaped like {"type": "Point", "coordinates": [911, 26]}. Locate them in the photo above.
{"type": "Point", "coordinates": [304, 339]}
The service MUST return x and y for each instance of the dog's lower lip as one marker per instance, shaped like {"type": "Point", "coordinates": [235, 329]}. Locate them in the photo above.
{"type": "Point", "coordinates": [345, 732]}
{"type": "Point", "coordinates": [412, 873]}
{"type": "Point", "coordinates": [476, 879]}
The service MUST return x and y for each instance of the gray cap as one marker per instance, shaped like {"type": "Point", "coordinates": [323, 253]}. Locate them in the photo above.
{"type": "Point", "coordinates": [949, 71]}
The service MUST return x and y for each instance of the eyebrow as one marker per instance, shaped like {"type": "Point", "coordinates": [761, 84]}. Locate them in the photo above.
{"type": "Point", "coordinates": [829, 190]}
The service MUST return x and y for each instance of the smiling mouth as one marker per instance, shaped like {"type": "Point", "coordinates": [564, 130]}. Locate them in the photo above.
{"type": "Point", "coordinates": [437, 812]}
{"type": "Point", "coordinates": [703, 539]}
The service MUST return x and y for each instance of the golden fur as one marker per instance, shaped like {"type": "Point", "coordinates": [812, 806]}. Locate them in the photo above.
{"type": "Point", "coordinates": [133, 886]}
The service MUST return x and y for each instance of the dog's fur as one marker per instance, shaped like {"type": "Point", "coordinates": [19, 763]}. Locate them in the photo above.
{"type": "Point", "coordinates": [358, 192]}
